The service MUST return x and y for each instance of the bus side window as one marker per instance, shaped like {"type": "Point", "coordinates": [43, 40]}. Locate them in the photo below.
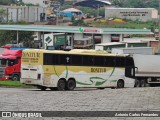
{"type": "Point", "coordinates": [88, 60]}
{"type": "Point", "coordinates": [50, 59]}
{"type": "Point", "coordinates": [120, 62]}
{"type": "Point", "coordinates": [47, 59]}
{"type": "Point", "coordinates": [109, 61]}
{"type": "Point", "coordinates": [77, 60]}
{"type": "Point", "coordinates": [129, 61]}
{"type": "Point", "coordinates": [99, 61]}
{"type": "Point", "coordinates": [55, 59]}
{"type": "Point", "coordinates": [65, 59]}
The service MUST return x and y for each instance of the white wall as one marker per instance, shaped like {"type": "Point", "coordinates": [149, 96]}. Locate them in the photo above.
{"type": "Point", "coordinates": [78, 36]}
{"type": "Point", "coordinates": [39, 2]}
{"type": "Point", "coordinates": [106, 38]}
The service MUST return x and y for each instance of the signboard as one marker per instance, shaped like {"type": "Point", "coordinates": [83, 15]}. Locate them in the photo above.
{"type": "Point", "coordinates": [59, 39]}
{"type": "Point", "coordinates": [87, 30]}
{"type": "Point", "coordinates": [134, 13]}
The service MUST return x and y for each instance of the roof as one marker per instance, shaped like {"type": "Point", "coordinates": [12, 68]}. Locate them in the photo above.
{"type": "Point", "coordinates": [71, 10]}
{"type": "Point", "coordinates": [108, 44]}
{"type": "Point", "coordinates": [133, 48]}
{"type": "Point", "coordinates": [11, 54]}
{"type": "Point", "coordinates": [130, 8]}
{"type": "Point", "coordinates": [74, 29]}
{"type": "Point", "coordinates": [93, 3]}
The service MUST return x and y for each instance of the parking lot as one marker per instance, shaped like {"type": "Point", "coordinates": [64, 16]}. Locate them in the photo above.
{"type": "Point", "coordinates": [127, 99]}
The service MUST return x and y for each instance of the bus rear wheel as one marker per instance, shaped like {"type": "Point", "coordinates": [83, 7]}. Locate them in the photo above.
{"type": "Point", "coordinates": [61, 85]}
{"type": "Point", "coordinates": [120, 84]}
{"type": "Point", "coordinates": [71, 84]}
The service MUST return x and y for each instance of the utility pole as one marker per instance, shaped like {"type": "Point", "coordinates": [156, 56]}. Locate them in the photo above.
{"type": "Point", "coordinates": [159, 21]}
{"type": "Point", "coordinates": [98, 11]}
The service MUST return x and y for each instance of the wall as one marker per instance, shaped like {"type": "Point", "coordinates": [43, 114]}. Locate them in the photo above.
{"type": "Point", "coordinates": [142, 14]}
{"type": "Point", "coordinates": [23, 13]}
{"type": "Point", "coordinates": [36, 2]}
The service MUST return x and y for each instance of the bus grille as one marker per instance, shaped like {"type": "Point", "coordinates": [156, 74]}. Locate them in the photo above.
{"type": "Point", "coordinates": [1, 71]}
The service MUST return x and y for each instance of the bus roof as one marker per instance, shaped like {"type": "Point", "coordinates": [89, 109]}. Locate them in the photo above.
{"type": "Point", "coordinates": [75, 52]}
{"type": "Point", "coordinates": [109, 44]}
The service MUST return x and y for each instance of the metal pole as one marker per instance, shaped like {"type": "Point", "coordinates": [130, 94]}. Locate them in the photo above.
{"type": "Point", "coordinates": [98, 11]}
{"type": "Point", "coordinates": [17, 37]}
{"type": "Point", "coordinates": [159, 21]}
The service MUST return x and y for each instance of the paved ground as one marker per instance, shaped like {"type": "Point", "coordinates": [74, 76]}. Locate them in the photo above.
{"type": "Point", "coordinates": [127, 99]}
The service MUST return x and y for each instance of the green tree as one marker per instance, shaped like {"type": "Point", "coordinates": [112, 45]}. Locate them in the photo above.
{"type": "Point", "coordinates": [8, 37]}
{"type": "Point", "coordinates": [136, 3]}
{"type": "Point", "coordinates": [6, 2]}
{"type": "Point", "coordinates": [61, 1]}
{"type": "Point", "coordinates": [79, 23]}
{"type": "Point", "coordinates": [3, 14]}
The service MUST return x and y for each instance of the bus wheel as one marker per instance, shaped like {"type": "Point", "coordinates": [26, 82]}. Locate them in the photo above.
{"type": "Point", "coordinates": [142, 83]}
{"type": "Point", "coordinates": [71, 84]}
{"type": "Point", "coordinates": [15, 78]}
{"type": "Point", "coordinates": [42, 88]}
{"type": "Point", "coordinates": [61, 85]}
{"type": "Point", "coordinates": [137, 83]}
{"type": "Point", "coordinates": [120, 84]}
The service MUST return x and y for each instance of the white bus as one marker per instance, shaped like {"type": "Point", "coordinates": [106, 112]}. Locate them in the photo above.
{"type": "Point", "coordinates": [66, 70]}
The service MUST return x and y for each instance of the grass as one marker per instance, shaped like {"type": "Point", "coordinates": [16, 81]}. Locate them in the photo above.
{"type": "Point", "coordinates": [13, 84]}
{"type": "Point", "coordinates": [128, 24]}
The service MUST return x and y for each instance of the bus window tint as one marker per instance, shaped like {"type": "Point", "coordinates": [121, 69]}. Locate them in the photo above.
{"type": "Point", "coordinates": [109, 61]}
{"type": "Point", "coordinates": [120, 62]}
{"type": "Point", "coordinates": [50, 59]}
{"type": "Point", "coordinates": [99, 61]}
{"type": "Point", "coordinates": [65, 59]}
{"type": "Point", "coordinates": [47, 59]}
{"type": "Point", "coordinates": [129, 61]}
{"type": "Point", "coordinates": [77, 60]}
{"type": "Point", "coordinates": [88, 60]}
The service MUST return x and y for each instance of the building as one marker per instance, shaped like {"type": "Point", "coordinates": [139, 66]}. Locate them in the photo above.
{"type": "Point", "coordinates": [24, 13]}
{"type": "Point", "coordinates": [141, 14]}
{"type": "Point", "coordinates": [79, 37]}
{"type": "Point", "coordinates": [42, 3]}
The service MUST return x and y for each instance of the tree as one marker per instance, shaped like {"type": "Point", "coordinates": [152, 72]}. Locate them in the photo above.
{"type": "Point", "coordinates": [61, 2]}
{"type": "Point", "coordinates": [79, 23]}
{"type": "Point", "coordinates": [8, 37]}
{"type": "Point", "coordinates": [6, 2]}
{"type": "Point", "coordinates": [3, 13]}
{"type": "Point", "coordinates": [136, 3]}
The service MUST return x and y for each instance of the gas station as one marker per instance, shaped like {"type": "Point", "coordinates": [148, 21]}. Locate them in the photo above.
{"type": "Point", "coordinates": [71, 37]}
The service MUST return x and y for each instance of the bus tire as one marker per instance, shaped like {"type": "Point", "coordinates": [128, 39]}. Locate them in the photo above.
{"type": "Point", "coordinates": [120, 84]}
{"type": "Point", "coordinates": [137, 83]}
{"type": "Point", "coordinates": [142, 83]}
{"type": "Point", "coordinates": [61, 85]}
{"type": "Point", "coordinates": [71, 84]}
{"type": "Point", "coordinates": [15, 77]}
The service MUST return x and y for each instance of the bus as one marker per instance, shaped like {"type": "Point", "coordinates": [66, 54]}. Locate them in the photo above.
{"type": "Point", "coordinates": [77, 68]}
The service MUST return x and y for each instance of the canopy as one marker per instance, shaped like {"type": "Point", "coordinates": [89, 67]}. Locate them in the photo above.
{"type": "Point", "coordinates": [93, 3]}
{"type": "Point", "coordinates": [71, 10]}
